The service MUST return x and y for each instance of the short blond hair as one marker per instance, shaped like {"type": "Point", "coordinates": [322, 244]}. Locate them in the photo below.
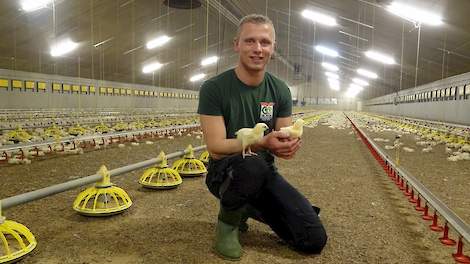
{"type": "Point", "coordinates": [254, 19]}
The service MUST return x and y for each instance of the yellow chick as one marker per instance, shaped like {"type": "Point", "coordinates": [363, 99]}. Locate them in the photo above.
{"type": "Point", "coordinates": [250, 136]}
{"type": "Point", "coordinates": [296, 130]}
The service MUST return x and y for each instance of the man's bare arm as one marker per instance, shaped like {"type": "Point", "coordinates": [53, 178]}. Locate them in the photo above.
{"type": "Point", "coordinates": [283, 122]}
{"type": "Point", "coordinates": [215, 137]}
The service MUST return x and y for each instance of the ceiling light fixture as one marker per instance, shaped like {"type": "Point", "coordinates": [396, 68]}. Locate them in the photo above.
{"type": "Point", "coordinates": [334, 84]}
{"type": "Point", "coordinates": [355, 87]}
{"type": "Point", "coordinates": [33, 5]}
{"type": "Point", "coordinates": [331, 80]}
{"type": "Point", "coordinates": [415, 15]}
{"type": "Point", "coordinates": [351, 93]}
{"type": "Point", "coordinates": [380, 57]}
{"type": "Point", "coordinates": [197, 77]}
{"type": "Point", "coordinates": [151, 67]}
{"type": "Point", "coordinates": [63, 47]}
{"type": "Point", "coordinates": [353, 90]}
{"type": "Point", "coordinates": [319, 17]}
{"type": "Point", "coordinates": [157, 42]}
{"type": "Point", "coordinates": [329, 66]}
{"type": "Point", "coordinates": [332, 75]}
{"type": "Point", "coordinates": [367, 73]}
{"type": "Point", "coordinates": [209, 60]}
{"type": "Point", "coordinates": [360, 82]}
{"type": "Point", "coordinates": [326, 51]}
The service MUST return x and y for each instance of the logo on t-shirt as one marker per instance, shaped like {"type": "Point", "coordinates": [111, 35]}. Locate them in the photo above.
{"type": "Point", "coordinates": [267, 109]}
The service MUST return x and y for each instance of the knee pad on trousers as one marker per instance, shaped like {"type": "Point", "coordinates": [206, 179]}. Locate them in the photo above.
{"type": "Point", "coordinates": [313, 242]}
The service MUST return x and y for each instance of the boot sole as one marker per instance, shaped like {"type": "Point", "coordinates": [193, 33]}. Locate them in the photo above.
{"type": "Point", "coordinates": [225, 257]}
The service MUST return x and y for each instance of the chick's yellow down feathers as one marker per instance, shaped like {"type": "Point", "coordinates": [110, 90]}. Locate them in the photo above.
{"type": "Point", "coordinates": [250, 136]}
{"type": "Point", "coordinates": [296, 130]}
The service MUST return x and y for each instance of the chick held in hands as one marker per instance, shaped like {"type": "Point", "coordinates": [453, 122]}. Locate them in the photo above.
{"type": "Point", "coordinates": [250, 136]}
{"type": "Point", "coordinates": [296, 130]}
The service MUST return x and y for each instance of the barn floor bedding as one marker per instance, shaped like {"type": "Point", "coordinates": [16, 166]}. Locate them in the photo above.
{"type": "Point", "coordinates": [367, 218]}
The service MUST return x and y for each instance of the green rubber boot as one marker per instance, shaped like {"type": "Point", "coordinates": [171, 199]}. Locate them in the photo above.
{"type": "Point", "coordinates": [226, 240]}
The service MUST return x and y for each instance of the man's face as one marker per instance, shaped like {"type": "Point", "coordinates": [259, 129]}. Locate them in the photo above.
{"type": "Point", "coordinates": [255, 46]}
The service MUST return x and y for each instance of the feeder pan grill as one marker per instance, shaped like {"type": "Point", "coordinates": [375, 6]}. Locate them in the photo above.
{"type": "Point", "coordinates": [103, 199]}
{"type": "Point", "coordinates": [17, 241]}
{"type": "Point", "coordinates": [161, 176]}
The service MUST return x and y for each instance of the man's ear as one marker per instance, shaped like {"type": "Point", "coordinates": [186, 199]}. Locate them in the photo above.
{"type": "Point", "coordinates": [235, 44]}
{"type": "Point", "coordinates": [273, 56]}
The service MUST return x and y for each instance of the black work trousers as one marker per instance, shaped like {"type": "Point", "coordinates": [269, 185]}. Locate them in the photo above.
{"type": "Point", "coordinates": [238, 182]}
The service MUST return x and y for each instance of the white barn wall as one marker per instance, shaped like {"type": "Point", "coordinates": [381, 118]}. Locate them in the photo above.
{"type": "Point", "coordinates": [451, 110]}
{"type": "Point", "coordinates": [12, 99]}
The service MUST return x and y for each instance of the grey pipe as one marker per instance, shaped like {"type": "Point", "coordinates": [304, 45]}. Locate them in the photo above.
{"type": "Point", "coordinates": [62, 187]}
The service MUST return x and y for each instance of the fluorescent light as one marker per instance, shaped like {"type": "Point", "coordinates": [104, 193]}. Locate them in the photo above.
{"type": "Point", "coordinates": [329, 66]}
{"type": "Point", "coordinates": [334, 86]}
{"type": "Point", "coordinates": [151, 67]}
{"type": "Point", "coordinates": [33, 5]}
{"type": "Point", "coordinates": [353, 90]}
{"type": "Point", "coordinates": [209, 60]}
{"type": "Point", "coordinates": [380, 57]}
{"type": "Point", "coordinates": [332, 75]}
{"type": "Point", "coordinates": [157, 42]}
{"type": "Point", "coordinates": [333, 81]}
{"type": "Point", "coordinates": [355, 87]}
{"type": "Point", "coordinates": [102, 42]}
{"type": "Point", "coordinates": [360, 82]}
{"type": "Point", "coordinates": [319, 17]}
{"type": "Point", "coordinates": [197, 77]}
{"type": "Point", "coordinates": [351, 93]}
{"type": "Point", "coordinates": [326, 51]}
{"type": "Point", "coordinates": [63, 47]}
{"type": "Point", "coordinates": [367, 73]}
{"type": "Point", "coordinates": [414, 14]}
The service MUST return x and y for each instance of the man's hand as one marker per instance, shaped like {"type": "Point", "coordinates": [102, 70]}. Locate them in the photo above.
{"type": "Point", "coordinates": [281, 145]}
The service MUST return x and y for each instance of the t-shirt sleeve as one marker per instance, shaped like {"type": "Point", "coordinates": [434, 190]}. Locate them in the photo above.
{"type": "Point", "coordinates": [210, 102]}
{"type": "Point", "coordinates": [285, 106]}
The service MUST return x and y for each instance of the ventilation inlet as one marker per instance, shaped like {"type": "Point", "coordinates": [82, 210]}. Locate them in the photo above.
{"type": "Point", "coordinates": [183, 4]}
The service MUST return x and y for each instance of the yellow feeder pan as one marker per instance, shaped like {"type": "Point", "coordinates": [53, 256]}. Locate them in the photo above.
{"type": "Point", "coordinates": [16, 240]}
{"type": "Point", "coordinates": [102, 128]}
{"type": "Point", "coordinates": [77, 130]}
{"type": "Point", "coordinates": [18, 135]}
{"type": "Point", "coordinates": [161, 176]}
{"type": "Point", "coordinates": [103, 199]}
{"type": "Point", "coordinates": [204, 157]}
{"type": "Point", "coordinates": [189, 166]}
{"type": "Point", "coordinates": [121, 126]}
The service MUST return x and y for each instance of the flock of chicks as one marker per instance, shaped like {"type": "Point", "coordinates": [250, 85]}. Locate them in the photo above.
{"type": "Point", "coordinates": [24, 155]}
{"type": "Point", "coordinates": [43, 119]}
{"type": "Point", "coordinates": [21, 144]}
{"type": "Point", "coordinates": [457, 147]}
{"type": "Point", "coordinates": [55, 133]}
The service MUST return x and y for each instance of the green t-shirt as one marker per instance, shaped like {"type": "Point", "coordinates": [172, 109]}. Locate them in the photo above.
{"type": "Point", "coordinates": [243, 106]}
